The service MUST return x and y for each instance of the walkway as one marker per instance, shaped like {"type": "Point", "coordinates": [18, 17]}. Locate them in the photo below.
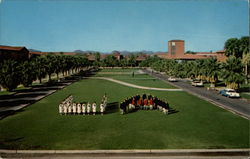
{"type": "Point", "coordinates": [130, 154]}
{"type": "Point", "coordinates": [236, 106]}
{"type": "Point", "coordinates": [9, 104]}
{"type": "Point", "coordinates": [133, 85]}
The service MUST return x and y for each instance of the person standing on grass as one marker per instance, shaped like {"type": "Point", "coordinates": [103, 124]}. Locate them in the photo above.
{"type": "Point", "coordinates": [74, 108]}
{"type": "Point", "coordinates": [83, 108]}
{"type": "Point", "coordinates": [101, 108]}
{"type": "Point", "coordinates": [88, 108]}
{"type": "Point", "coordinates": [61, 108]}
{"type": "Point", "coordinates": [65, 108]}
{"type": "Point", "coordinates": [79, 108]}
{"type": "Point", "coordinates": [94, 108]}
{"type": "Point", "coordinates": [151, 103]}
{"type": "Point", "coordinates": [70, 109]}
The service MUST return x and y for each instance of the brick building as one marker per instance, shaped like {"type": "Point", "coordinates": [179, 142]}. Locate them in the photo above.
{"type": "Point", "coordinates": [16, 53]}
{"type": "Point", "coordinates": [176, 50]}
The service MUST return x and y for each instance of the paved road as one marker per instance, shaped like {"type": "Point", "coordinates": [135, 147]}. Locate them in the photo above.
{"type": "Point", "coordinates": [237, 106]}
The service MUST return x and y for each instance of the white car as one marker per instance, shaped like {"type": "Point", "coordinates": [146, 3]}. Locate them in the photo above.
{"type": "Point", "coordinates": [197, 83]}
{"type": "Point", "coordinates": [172, 79]}
{"type": "Point", "coordinates": [230, 93]}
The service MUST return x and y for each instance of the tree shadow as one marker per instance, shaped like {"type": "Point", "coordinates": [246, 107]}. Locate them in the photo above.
{"type": "Point", "coordinates": [112, 108]}
{"type": "Point", "coordinates": [16, 102]}
{"type": "Point", "coordinates": [9, 112]}
{"type": "Point", "coordinates": [244, 89]}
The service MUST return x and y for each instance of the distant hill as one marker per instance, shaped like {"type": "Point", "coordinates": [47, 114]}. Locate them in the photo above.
{"type": "Point", "coordinates": [33, 50]}
{"type": "Point", "coordinates": [79, 51]}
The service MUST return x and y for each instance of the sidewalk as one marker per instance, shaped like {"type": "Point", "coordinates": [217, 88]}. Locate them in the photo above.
{"type": "Point", "coordinates": [10, 104]}
{"type": "Point", "coordinates": [128, 153]}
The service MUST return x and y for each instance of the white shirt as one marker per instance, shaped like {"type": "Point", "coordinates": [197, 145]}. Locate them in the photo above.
{"type": "Point", "coordinates": [69, 108]}
{"type": "Point", "coordinates": [88, 108]}
{"type": "Point", "coordinates": [60, 108]}
{"type": "Point", "coordinates": [94, 107]}
{"type": "Point", "coordinates": [101, 108]}
{"type": "Point", "coordinates": [79, 108]}
{"type": "Point", "coordinates": [83, 108]}
{"type": "Point", "coordinates": [65, 108]}
{"type": "Point", "coordinates": [74, 107]}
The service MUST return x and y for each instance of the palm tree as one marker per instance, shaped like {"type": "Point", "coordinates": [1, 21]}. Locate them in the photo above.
{"type": "Point", "coordinates": [58, 67]}
{"type": "Point", "coordinates": [232, 47]}
{"type": "Point", "coordinates": [29, 73]}
{"type": "Point", "coordinates": [10, 73]}
{"type": "Point", "coordinates": [244, 48]}
{"type": "Point", "coordinates": [211, 69]}
{"type": "Point", "coordinates": [51, 65]}
{"type": "Point", "coordinates": [246, 62]}
{"type": "Point", "coordinates": [110, 61]}
{"type": "Point", "coordinates": [40, 63]}
{"type": "Point", "coordinates": [232, 72]}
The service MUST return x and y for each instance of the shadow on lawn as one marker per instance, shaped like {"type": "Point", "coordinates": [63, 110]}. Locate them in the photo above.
{"type": "Point", "coordinates": [112, 108]}
{"type": "Point", "coordinates": [172, 111]}
{"type": "Point", "coordinates": [244, 89]}
{"type": "Point", "coordinates": [9, 113]}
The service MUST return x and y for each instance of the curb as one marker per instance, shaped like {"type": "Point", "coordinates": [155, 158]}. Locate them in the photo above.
{"type": "Point", "coordinates": [146, 152]}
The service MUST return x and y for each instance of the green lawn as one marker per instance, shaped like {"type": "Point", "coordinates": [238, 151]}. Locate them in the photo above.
{"type": "Point", "coordinates": [245, 95]}
{"type": "Point", "coordinates": [119, 70]}
{"type": "Point", "coordinates": [197, 124]}
{"type": "Point", "coordinates": [138, 79]}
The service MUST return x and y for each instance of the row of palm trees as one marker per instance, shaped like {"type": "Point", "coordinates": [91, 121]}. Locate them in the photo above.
{"type": "Point", "coordinates": [210, 70]}
{"type": "Point", "coordinates": [13, 73]}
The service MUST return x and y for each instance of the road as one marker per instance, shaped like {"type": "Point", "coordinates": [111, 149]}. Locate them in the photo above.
{"type": "Point", "coordinates": [236, 106]}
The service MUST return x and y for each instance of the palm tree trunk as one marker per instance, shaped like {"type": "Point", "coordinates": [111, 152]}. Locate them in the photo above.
{"type": "Point", "coordinates": [246, 71]}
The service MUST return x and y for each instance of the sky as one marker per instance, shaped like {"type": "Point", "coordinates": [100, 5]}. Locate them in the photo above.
{"type": "Point", "coordinates": [132, 25]}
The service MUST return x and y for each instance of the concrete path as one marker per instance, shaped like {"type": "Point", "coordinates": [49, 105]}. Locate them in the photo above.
{"type": "Point", "coordinates": [129, 154]}
{"type": "Point", "coordinates": [133, 85]}
{"type": "Point", "coordinates": [9, 104]}
{"type": "Point", "coordinates": [236, 106]}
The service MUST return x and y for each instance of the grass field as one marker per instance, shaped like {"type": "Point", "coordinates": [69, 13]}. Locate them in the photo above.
{"type": "Point", "coordinates": [138, 79]}
{"type": "Point", "coordinates": [197, 123]}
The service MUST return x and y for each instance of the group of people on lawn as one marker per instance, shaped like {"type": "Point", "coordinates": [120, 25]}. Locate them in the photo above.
{"type": "Point", "coordinates": [143, 102]}
{"type": "Point", "coordinates": [68, 107]}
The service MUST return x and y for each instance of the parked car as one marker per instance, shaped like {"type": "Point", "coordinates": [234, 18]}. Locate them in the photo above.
{"type": "Point", "coordinates": [231, 93]}
{"type": "Point", "coordinates": [197, 83]}
{"type": "Point", "coordinates": [172, 79]}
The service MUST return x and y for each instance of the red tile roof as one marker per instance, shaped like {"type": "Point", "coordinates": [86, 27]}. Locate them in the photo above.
{"type": "Point", "coordinates": [15, 48]}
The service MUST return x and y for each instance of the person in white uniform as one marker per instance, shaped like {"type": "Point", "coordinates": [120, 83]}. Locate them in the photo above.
{"type": "Point", "coordinates": [69, 108]}
{"type": "Point", "coordinates": [94, 108]}
{"type": "Point", "coordinates": [102, 108]}
{"type": "Point", "coordinates": [165, 111]}
{"type": "Point", "coordinates": [74, 108]}
{"type": "Point", "coordinates": [79, 106]}
{"type": "Point", "coordinates": [61, 108]}
{"type": "Point", "coordinates": [65, 109]}
{"type": "Point", "coordinates": [83, 108]}
{"type": "Point", "coordinates": [88, 108]}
